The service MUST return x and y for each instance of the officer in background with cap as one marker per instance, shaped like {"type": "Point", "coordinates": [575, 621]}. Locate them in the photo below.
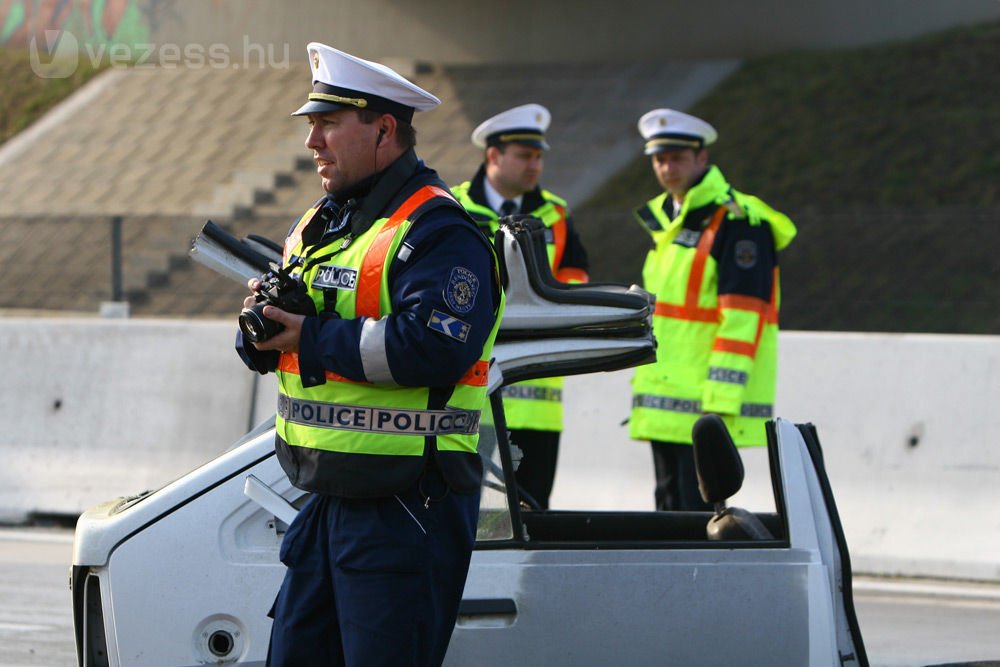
{"type": "Point", "coordinates": [507, 184]}
{"type": "Point", "coordinates": [713, 266]}
{"type": "Point", "coordinates": [381, 388]}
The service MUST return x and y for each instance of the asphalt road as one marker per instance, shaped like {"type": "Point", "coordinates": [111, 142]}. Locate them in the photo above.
{"type": "Point", "coordinates": [36, 619]}
{"type": "Point", "coordinates": [904, 622]}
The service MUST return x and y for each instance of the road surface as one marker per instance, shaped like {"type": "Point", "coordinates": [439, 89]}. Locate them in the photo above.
{"type": "Point", "coordinates": [904, 622]}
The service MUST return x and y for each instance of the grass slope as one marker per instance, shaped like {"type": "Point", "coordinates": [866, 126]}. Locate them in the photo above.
{"type": "Point", "coordinates": [900, 124]}
{"type": "Point", "coordinates": [888, 160]}
{"type": "Point", "coordinates": [27, 96]}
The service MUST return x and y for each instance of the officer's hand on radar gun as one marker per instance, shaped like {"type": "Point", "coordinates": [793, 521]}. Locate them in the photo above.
{"type": "Point", "coordinates": [286, 340]}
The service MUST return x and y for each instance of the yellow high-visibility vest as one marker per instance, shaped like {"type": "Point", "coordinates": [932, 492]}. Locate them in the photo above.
{"type": "Point", "coordinates": [714, 353]}
{"type": "Point", "coordinates": [373, 435]}
{"type": "Point", "coordinates": [533, 404]}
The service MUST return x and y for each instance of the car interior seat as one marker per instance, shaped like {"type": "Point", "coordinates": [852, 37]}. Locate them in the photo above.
{"type": "Point", "coordinates": [538, 303]}
{"type": "Point", "coordinates": [720, 475]}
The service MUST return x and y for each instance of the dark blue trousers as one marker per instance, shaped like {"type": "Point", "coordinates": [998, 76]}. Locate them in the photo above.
{"type": "Point", "coordinates": [374, 582]}
{"type": "Point", "coordinates": [536, 472]}
{"type": "Point", "coordinates": [676, 477]}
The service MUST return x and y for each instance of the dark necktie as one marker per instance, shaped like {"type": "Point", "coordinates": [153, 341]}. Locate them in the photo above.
{"type": "Point", "coordinates": [507, 207]}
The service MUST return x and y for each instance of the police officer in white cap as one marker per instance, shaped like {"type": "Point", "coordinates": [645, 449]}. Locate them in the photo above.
{"type": "Point", "coordinates": [507, 183]}
{"type": "Point", "coordinates": [713, 265]}
{"type": "Point", "coordinates": [382, 369]}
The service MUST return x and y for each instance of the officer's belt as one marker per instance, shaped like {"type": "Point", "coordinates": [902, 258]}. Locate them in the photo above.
{"type": "Point", "coordinates": [345, 417]}
{"type": "Point", "coordinates": [530, 393]}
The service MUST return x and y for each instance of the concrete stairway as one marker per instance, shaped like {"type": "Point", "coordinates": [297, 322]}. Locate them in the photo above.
{"type": "Point", "coordinates": [155, 141]}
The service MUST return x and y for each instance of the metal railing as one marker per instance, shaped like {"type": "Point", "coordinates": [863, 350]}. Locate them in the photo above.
{"type": "Point", "coordinates": [870, 269]}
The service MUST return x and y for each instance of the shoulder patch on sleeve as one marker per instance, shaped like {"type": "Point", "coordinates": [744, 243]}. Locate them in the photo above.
{"type": "Point", "coordinates": [449, 326]}
{"type": "Point", "coordinates": [461, 290]}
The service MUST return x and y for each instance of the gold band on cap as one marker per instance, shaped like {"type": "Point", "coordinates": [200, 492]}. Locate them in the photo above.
{"type": "Point", "coordinates": [359, 102]}
{"type": "Point", "coordinates": [520, 137]}
{"type": "Point", "coordinates": [671, 141]}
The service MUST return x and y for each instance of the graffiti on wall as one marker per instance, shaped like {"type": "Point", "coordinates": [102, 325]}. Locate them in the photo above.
{"type": "Point", "coordinates": [90, 21]}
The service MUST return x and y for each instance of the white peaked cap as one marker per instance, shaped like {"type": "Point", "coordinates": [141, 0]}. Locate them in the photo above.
{"type": "Point", "coordinates": [667, 129]}
{"type": "Point", "coordinates": [525, 124]}
{"type": "Point", "coordinates": [343, 81]}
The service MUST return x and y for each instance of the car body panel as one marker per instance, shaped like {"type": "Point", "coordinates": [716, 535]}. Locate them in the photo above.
{"type": "Point", "coordinates": [199, 556]}
{"type": "Point", "coordinates": [638, 608]}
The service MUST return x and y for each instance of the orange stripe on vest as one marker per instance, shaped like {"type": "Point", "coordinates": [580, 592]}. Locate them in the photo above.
{"type": "Point", "coordinates": [569, 274]}
{"type": "Point", "coordinates": [296, 236]}
{"type": "Point", "coordinates": [768, 311]}
{"type": "Point", "coordinates": [289, 363]}
{"type": "Point", "coordinates": [701, 258]}
{"type": "Point", "coordinates": [370, 280]}
{"type": "Point", "coordinates": [737, 346]}
{"type": "Point", "coordinates": [370, 283]}
{"type": "Point", "coordinates": [559, 237]}
{"type": "Point", "coordinates": [750, 303]}
{"type": "Point", "coordinates": [685, 313]}
{"type": "Point", "coordinates": [476, 376]}
{"type": "Point", "coordinates": [690, 310]}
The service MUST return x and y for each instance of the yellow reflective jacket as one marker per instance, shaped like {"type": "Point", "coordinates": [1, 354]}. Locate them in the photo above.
{"type": "Point", "coordinates": [714, 271]}
{"type": "Point", "coordinates": [533, 404]}
{"type": "Point", "coordinates": [358, 439]}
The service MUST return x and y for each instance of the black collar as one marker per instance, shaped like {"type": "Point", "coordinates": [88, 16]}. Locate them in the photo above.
{"type": "Point", "coordinates": [477, 191]}
{"type": "Point", "coordinates": [382, 190]}
{"type": "Point", "coordinates": [363, 201]}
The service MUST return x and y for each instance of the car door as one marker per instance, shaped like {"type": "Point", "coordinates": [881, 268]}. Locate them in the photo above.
{"type": "Point", "coordinates": [564, 587]}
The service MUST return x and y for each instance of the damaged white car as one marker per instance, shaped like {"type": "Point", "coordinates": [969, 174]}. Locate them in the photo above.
{"type": "Point", "coordinates": [185, 575]}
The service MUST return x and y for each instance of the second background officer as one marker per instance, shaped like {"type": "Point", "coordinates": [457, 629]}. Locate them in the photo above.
{"type": "Point", "coordinates": [713, 266]}
{"type": "Point", "coordinates": [507, 183]}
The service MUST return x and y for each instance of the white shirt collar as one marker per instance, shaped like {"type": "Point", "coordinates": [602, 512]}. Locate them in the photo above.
{"type": "Point", "coordinates": [495, 199]}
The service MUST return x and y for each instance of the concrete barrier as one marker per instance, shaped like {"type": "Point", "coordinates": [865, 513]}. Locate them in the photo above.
{"type": "Point", "coordinates": [94, 409]}
{"type": "Point", "coordinates": [911, 435]}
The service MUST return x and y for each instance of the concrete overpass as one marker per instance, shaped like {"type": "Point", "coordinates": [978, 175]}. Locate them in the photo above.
{"type": "Point", "coordinates": [515, 31]}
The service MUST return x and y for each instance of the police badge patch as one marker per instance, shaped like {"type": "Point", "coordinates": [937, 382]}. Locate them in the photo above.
{"type": "Point", "coordinates": [746, 254]}
{"type": "Point", "coordinates": [460, 294]}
